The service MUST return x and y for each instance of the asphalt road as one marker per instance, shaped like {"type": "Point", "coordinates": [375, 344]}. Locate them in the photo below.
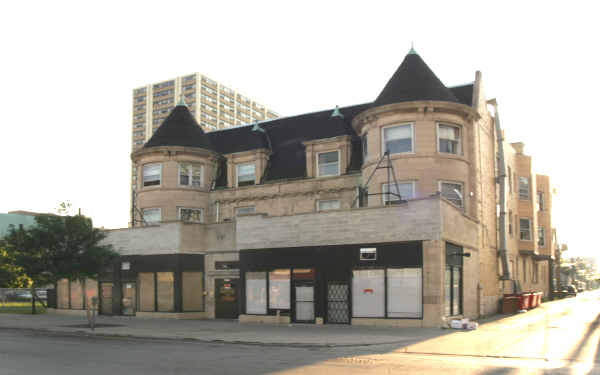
{"type": "Point", "coordinates": [565, 341]}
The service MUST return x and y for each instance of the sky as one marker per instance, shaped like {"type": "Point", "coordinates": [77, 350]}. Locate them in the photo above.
{"type": "Point", "coordinates": [68, 69]}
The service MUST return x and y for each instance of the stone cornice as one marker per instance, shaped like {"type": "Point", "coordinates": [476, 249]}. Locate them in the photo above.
{"type": "Point", "coordinates": [174, 150]}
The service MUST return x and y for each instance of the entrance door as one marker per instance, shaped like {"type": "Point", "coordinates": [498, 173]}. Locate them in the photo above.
{"type": "Point", "coordinates": [338, 307]}
{"type": "Point", "coordinates": [128, 300]}
{"type": "Point", "coordinates": [106, 298]}
{"type": "Point", "coordinates": [226, 298]}
{"type": "Point", "coordinates": [305, 303]}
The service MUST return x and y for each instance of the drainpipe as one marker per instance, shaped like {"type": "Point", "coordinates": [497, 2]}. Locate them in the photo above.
{"type": "Point", "coordinates": [501, 180]}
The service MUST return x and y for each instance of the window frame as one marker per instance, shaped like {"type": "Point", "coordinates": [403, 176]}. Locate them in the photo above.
{"type": "Point", "coordinates": [521, 231]}
{"type": "Point", "coordinates": [462, 192]}
{"type": "Point", "coordinates": [190, 174]}
{"type": "Point", "coordinates": [541, 237]}
{"type": "Point", "coordinates": [237, 174]}
{"type": "Point", "coordinates": [159, 175]}
{"type": "Point", "coordinates": [541, 204]}
{"type": "Point", "coordinates": [319, 201]}
{"type": "Point", "coordinates": [522, 197]}
{"type": "Point", "coordinates": [179, 217]}
{"type": "Point", "coordinates": [339, 166]}
{"type": "Point", "coordinates": [151, 222]}
{"type": "Point", "coordinates": [384, 193]}
{"type": "Point", "coordinates": [459, 150]}
{"type": "Point", "coordinates": [412, 138]}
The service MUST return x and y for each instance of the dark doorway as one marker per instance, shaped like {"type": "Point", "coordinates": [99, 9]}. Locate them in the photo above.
{"type": "Point", "coordinates": [106, 305]}
{"type": "Point", "coordinates": [338, 302]}
{"type": "Point", "coordinates": [226, 298]}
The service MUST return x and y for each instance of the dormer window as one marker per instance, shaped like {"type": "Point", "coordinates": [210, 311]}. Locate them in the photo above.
{"type": "Point", "coordinates": [398, 139]}
{"type": "Point", "coordinates": [328, 163]}
{"type": "Point", "coordinates": [190, 175]}
{"type": "Point", "coordinates": [152, 174]}
{"type": "Point", "coordinates": [246, 174]}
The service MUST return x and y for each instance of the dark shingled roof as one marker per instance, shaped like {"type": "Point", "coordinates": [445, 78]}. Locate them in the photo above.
{"type": "Point", "coordinates": [180, 129]}
{"type": "Point", "coordinates": [464, 93]}
{"type": "Point", "coordinates": [414, 81]}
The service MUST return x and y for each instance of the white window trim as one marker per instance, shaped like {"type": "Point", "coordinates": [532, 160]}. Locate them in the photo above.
{"type": "Point", "coordinates": [329, 200]}
{"type": "Point", "coordinates": [160, 176]}
{"type": "Point", "coordinates": [460, 138]}
{"type": "Point", "coordinates": [412, 138]}
{"type": "Point", "coordinates": [237, 173]}
{"type": "Point", "coordinates": [455, 183]}
{"type": "Point", "coordinates": [190, 172]}
{"type": "Point", "coordinates": [383, 195]}
{"type": "Point", "coordinates": [152, 222]}
{"type": "Point", "coordinates": [191, 208]}
{"type": "Point", "coordinates": [327, 152]}
{"type": "Point", "coordinates": [530, 229]}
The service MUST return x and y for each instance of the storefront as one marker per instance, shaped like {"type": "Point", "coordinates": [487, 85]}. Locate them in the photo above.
{"type": "Point", "coordinates": [334, 284]}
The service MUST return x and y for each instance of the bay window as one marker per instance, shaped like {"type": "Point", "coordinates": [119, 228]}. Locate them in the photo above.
{"type": "Point", "coordinates": [152, 174]}
{"type": "Point", "coordinates": [449, 139]}
{"type": "Point", "coordinates": [190, 174]}
{"type": "Point", "coordinates": [453, 192]}
{"type": "Point", "coordinates": [393, 192]}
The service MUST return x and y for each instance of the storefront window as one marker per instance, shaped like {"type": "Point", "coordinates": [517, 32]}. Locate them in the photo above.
{"type": "Point", "coordinates": [193, 291]}
{"type": "Point", "coordinates": [165, 291]}
{"type": "Point", "coordinates": [146, 294]}
{"type": "Point", "coordinates": [279, 289]}
{"type": "Point", "coordinates": [256, 293]}
{"type": "Point", "coordinates": [76, 295]}
{"type": "Point", "coordinates": [404, 293]}
{"type": "Point", "coordinates": [368, 294]}
{"type": "Point", "coordinates": [62, 294]}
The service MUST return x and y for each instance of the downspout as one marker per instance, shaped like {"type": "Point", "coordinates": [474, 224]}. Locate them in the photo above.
{"type": "Point", "coordinates": [501, 180]}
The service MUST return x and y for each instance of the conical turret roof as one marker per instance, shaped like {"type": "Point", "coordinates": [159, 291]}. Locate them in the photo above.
{"type": "Point", "coordinates": [180, 129]}
{"type": "Point", "coordinates": [414, 81]}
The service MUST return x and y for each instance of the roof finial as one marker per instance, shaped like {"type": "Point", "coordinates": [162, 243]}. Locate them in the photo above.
{"type": "Point", "coordinates": [181, 100]}
{"type": "Point", "coordinates": [412, 49]}
{"type": "Point", "coordinates": [337, 113]}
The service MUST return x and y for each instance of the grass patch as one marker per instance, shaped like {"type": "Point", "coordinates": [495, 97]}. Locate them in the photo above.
{"type": "Point", "coordinates": [20, 308]}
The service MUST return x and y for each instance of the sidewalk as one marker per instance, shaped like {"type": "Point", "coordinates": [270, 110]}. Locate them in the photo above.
{"type": "Point", "coordinates": [302, 335]}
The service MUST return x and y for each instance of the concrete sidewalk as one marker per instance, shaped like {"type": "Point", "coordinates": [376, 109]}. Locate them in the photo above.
{"type": "Point", "coordinates": [303, 335]}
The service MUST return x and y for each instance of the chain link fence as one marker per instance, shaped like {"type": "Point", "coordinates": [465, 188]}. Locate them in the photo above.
{"type": "Point", "coordinates": [22, 294]}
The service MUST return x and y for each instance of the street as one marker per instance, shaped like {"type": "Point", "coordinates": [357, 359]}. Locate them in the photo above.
{"type": "Point", "coordinates": [560, 338]}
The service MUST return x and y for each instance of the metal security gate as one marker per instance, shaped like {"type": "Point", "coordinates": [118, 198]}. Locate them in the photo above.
{"type": "Point", "coordinates": [338, 306]}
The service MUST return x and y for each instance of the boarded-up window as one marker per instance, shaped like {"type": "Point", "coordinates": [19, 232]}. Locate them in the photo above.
{"type": "Point", "coordinates": [256, 293]}
{"type": "Point", "coordinates": [165, 291]}
{"type": "Point", "coordinates": [76, 295]}
{"type": "Point", "coordinates": [91, 291]}
{"type": "Point", "coordinates": [404, 287]}
{"type": "Point", "coordinates": [368, 294]}
{"type": "Point", "coordinates": [193, 291]}
{"type": "Point", "coordinates": [62, 294]}
{"type": "Point", "coordinates": [146, 286]}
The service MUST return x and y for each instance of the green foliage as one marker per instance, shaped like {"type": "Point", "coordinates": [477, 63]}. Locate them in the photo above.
{"type": "Point", "coordinates": [58, 247]}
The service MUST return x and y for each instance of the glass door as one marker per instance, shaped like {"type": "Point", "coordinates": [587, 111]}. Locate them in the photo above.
{"type": "Point", "coordinates": [305, 303]}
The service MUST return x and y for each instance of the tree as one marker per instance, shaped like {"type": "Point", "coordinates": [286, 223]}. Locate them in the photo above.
{"type": "Point", "coordinates": [58, 247]}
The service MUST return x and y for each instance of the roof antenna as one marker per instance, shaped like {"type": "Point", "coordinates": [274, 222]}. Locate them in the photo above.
{"type": "Point", "coordinates": [412, 49]}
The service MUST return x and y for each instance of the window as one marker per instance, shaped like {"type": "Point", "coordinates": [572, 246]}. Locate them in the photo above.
{"type": "Point", "coordinates": [523, 188]}
{"type": "Point", "coordinates": [509, 180]}
{"type": "Point", "coordinates": [279, 289]}
{"type": "Point", "coordinates": [246, 174]}
{"type": "Point", "coordinates": [190, 175]}
{"type": "Point", "coordinates": [192, 291]}
{"type": "Point", "coordinates": [404, 290]}
{"type": "Point", "coordinates": [190, 215]}
{"type": "Point", "coordinates": [165, 291]}
{"type": "Point", "coordinates": [449, 139]}
{"type": "Point", "coordinates": [151, 215]}
{"type": "Point", "coordinates": [525, 229]}
{"type": "Point", "coordinates": [540, 201]}
{"type": "Point", "coordinates": [147, 291]}
{"type": "Point", "coordinates": [244, 210]}
{"type": "Point", "coordinates": [453, 192]}
{"type": "Point", "coordinates": [328, 163]}
{"type": "Point", "coordinates": [332, 204]}
{"type": "Point", "coordinates": [405, 190]}
{"type": "Point", "coordinates": [510, 219]}
{"type": "Point", "coordinates": [152, 174]}
{"type": "Point", "coordinates": [256, 293]}
{"type": "Point", "coordinates": [368, 293]}
{"type": "Point", "coordinates": [398, 139]}
{"type": "Point", "coordinates": [368, 253]}
{"type": "Point", "coordinates": [541, 237]}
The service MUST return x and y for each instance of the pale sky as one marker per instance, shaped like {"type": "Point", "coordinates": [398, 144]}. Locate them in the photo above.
{"type": "Point", "coordinates": [68, 68]}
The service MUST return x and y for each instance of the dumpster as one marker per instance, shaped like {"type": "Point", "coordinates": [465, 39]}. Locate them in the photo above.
{"type": "Point", "coordinates": [532, 299]}
{"type": "Point", "coordinates": [524, 301]}
{"type": "Point", "coordinates": [510, 304]}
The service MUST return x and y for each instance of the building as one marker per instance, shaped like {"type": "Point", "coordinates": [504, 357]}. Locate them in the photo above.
{"type": "Point", "coordinates": [213, 105]}
{"type": "Point", "coordinates": [16, 219]}
{"type": "Point", "coordinates": [395, 212]}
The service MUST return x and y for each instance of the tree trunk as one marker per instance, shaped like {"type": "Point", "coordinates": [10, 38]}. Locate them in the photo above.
{"type": "Point", "coordinates": [32, 299]}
